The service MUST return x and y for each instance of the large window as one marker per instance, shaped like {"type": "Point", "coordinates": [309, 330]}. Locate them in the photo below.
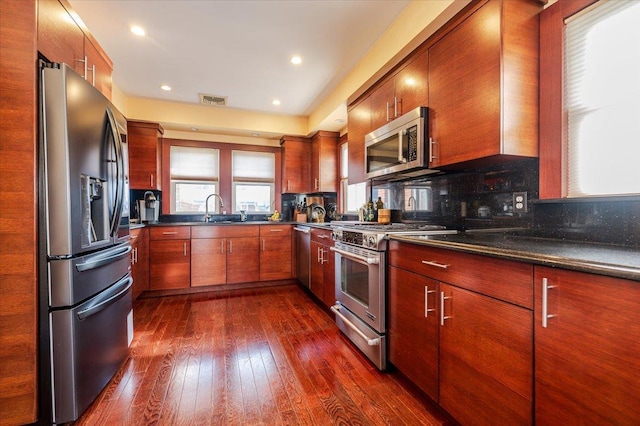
{"type": "Point", "coordinates": [254, 177]}
{"type": "Point", "coordinates": [194, 175]}
{"type": "Point", "coordinates": [602, 100]}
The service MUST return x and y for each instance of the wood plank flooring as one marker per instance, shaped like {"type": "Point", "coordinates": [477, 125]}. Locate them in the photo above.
{"type": "Point", "coordinates": [265, 356]}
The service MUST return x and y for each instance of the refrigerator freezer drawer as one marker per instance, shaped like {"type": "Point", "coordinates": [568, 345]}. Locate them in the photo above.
{"type": "Point", "coordinates": [88, 344]}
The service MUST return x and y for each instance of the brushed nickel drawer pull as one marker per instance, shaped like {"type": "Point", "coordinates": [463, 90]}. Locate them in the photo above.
{"type": "Point", "coordinates": [436, 264]}
{"type": "Point", "coordinates": [169, 233]}
{"type": "Point", "coordinates": [275, 230]}
{"type": "Point", "coordinates": [427, 292]}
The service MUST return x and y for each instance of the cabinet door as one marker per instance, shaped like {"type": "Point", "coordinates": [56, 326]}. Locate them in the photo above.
{"type": "Point", "coordinates": [587, 364]}
{"type": "Point", "coordinates": [243, 260]}
{"type": "Point", "coordinates": [329, 278]}
{"type": "Point", "coordinates": [382, 104]}
{"type": "Point", "coordinates": [317, 269]}
{"type": "Point", "coordinates": [295, 155]}
{"type": "Point", "coordinates": [208, 262]}
{"type": "Point", "coordinates": [98, 69]}
{"type": "Point", "coordinates": [412, 85]}
{"type": "Point", "coordinates": [275, 258]}
{"type": "Point", "coordinates": [413, 328]}
{"type": "Point", "coordinates": [59, 37]}
{"type": "Point", "coordinates": [486, 359]}
{"type": "Point", "coordinates": [464, 89]}
{"type": "Point", "coordinates": [170, 264]}
{"type": "Point", "coordinates": [144, 155]}
{"type": "Point", "coordinates": [324, 162]}
{"type": "Point", "coordinates": [139, 261]}
{"type": "Point", "coordinates": [359, 118]}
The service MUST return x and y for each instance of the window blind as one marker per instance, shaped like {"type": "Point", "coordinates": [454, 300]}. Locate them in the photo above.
{"type": "Point", "coordinates": [602, 100]}
{"type": "Point", "coordinates": [188, 163]}
{"type": "Point", "coordinates": [252, 166]}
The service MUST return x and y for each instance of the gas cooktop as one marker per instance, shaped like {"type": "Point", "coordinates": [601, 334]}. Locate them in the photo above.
{"type": "Point", "coordinates": [371, 235]}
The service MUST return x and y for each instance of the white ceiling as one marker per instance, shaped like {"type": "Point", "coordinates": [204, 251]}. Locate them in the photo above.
{"type": "Point", "coordinates": [239, 49]}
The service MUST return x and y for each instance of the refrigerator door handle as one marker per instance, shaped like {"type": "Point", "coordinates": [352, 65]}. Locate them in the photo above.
{"type": "Point", "coordinates": [103, 259]}
{"type": "Point", "coordinates": [104, 300]}
{"type": "Point", "coordinates": [119, 178]}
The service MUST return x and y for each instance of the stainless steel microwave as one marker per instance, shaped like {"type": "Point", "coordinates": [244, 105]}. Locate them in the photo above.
{"type": "Point", "coordinates": [399, 147]}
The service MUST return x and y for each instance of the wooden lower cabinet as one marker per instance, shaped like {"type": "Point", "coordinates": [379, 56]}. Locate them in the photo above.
{"type": "Point", "coordinates": [486, 359]}
{"type": "Point", "coordinates": [243, 260]}
{"type": "Point", "coordinates": [275, 252]}
{"type": "Point", "coordinates": [587, 357]}
{"type": "Point", "coordinates": [208, 262]}
{"type": "Point", "coordinates": [139, 261]}
{"type": "Point", "coordinates": [322, 280]}
{"type": "Point", "coordinates": [413, 328]}
{"type": "Point", "coordinates": [170, 257]}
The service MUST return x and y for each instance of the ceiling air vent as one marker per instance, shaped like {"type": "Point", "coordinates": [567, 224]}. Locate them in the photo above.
{"type": "Point", "coordinates": [213, 100]}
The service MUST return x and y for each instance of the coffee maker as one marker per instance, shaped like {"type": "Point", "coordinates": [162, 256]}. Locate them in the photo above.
{"type": "Point", "coordinates": [148, 208]}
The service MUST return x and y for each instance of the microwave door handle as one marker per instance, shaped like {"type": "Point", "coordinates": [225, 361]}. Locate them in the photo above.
{"type": "Point", "coordinates": [401, 158]}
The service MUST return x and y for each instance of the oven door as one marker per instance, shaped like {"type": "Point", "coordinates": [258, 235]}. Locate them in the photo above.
{"type": "Point", "coordinates": [360, 278]}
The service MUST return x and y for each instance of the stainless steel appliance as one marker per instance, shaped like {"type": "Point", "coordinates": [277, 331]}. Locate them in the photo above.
{"type": "Point", "coordinates": [303, 255]}
{"type": "Point", "coordinates": [148, 208]}
{"type": "Point", "coordinates": [85, 286]}
{"type": "Point", "coordinates": [360, 259]}
{"type": "Point", "coordinates": [399, 147]}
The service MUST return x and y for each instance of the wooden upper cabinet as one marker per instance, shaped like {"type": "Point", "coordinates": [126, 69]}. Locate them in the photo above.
{"type": "Point", "coordinates": [324, 161]}
{"type": "Point", "coordinates": [359, 119]}
{"type": "Point", "coordinates": [62, 39]}
{"type": "Point", "coordinates": [587, 364]}
{"type": "Point", "coordinates": [145, 149]}
{"type": "Point", "coordinates": [402, 92]}
{"type": "Point", "coordinates": [296, 154]}
{"type": "Point", "coordinates": [483, 87]}
{"type": "Point", "coordinates": [99, 69]}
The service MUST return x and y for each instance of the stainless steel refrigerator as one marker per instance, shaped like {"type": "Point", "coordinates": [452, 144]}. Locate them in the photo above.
{"type": "Point", "coordinates": [85, 280]}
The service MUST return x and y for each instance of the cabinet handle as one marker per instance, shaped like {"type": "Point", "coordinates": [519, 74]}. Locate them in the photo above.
{"type": "Point", "coordinates": [222, 246]}
{"type": "Point", "coordinates": [184, 249]}
{"type": "Point", "coordinates": [323, 236]}
{"type": "Point", "coordinates": [387, 111]}
{"type": "Point", "coordinates": [395, 107]}
{"type": "Point", "coordinates": [136, 255]}
{"type": "Point", "coordinates": [318, 255]}
{"type": "Point", "coordinates": [545, 301]}
{"type": "Point", "coordinates": [85, 62]}
{"type": "Point", "coordinates": [151, 179]}
{"type": "Point", "coordinates": [436, 264]}
{"type": "Point", "coordinates": [275, 230]}
{"type": "Point", "coordinates": [264, 244]}
{"type": "Point", "coordinates": [324, 260]}
{"type": "Point", "coordinates": [442, 316]}
{"type": "Point", "coordinates": [427, 292]}
{"type": "Point", "coordinates": [230, 246]}
{"type": "Point", "coordinates": [288, 185]}
{"type": "Point", "coordinates": [169, 233]}
{"type": "Point", "coordinates": [315, 185]}
{"type": "Point", "coordinates": [432, 144]}
{"type": "Point", "coordinates": [93, 75]}
{"type": "Point", "coordinates": [133, 256]}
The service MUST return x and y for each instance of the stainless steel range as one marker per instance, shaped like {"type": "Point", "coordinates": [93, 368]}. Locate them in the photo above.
{"type": "Point", "coordinates": [361, 270]}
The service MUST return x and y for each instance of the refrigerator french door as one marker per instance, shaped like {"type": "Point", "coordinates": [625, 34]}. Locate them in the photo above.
{"type": "Point", "coordinates": [86, 305]}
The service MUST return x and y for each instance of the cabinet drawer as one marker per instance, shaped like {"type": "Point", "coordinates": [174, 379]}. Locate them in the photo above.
{"type": "Point", "coordinates": [322, 236]}
{"type": "Point", "coordinates": [170, 232]}
{"type": "Point", "coordinates": [275, 230]}
{"type": "Point", "coordinates": [225, 231]}
{"type": "Point", "coordinates": [503, 279]}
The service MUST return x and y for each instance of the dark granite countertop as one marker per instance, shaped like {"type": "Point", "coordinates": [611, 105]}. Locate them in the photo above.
{"type": "Point", "coordinates": [603, 259]}
{"type": "Point", "coordinates": [217, 223]}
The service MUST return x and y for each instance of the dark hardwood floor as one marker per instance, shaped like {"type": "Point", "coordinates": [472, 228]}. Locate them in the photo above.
{"type": "Point", "coordinates": [262, 356]}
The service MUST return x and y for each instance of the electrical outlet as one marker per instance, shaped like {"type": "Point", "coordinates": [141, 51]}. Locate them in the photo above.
{"type": "Point", "coordinates": [520, 202]}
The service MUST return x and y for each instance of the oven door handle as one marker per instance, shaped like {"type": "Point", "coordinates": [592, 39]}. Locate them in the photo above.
{"type": "Point", "coordinates": [361, 259]}
{"type": "Point", "coordinates": [352, 326]}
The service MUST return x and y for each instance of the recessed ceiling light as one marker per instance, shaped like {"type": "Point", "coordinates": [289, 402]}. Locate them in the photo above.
{"type": "Point", "coordinates": [195, 129]}
{"type": "Point", "coordinates": [255, 135]}
{"type": "Point", "coordinates": [139, 31]}
{"type": "Point", "coordinates": [296, 60]}
{"type": "Point", "coordinates": [339, 120]}
{"type": "Point", "coordinates": [276, 102]}
{"type": "Point", "coordinates": [165, 87]}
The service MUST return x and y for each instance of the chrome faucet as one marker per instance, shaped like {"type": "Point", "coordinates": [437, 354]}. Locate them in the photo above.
{"type": "Point", "coordinates": [413, 204]}
{"type": "Point", "coordinates": [207, 216]}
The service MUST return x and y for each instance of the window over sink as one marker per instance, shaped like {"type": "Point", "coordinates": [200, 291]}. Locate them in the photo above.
{"type": "Point", "coordinates": [194, 175]}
